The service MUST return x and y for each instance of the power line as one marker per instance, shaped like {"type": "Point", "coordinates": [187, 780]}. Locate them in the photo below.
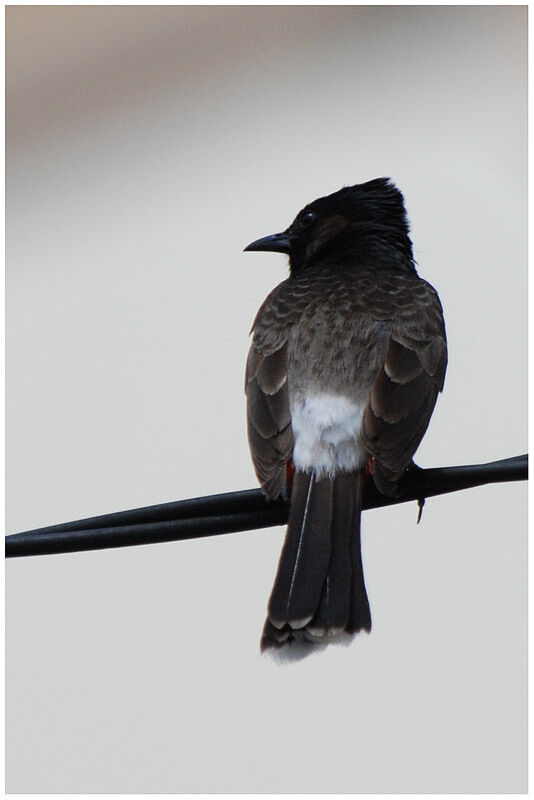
{"type": "Point", "coordinates": [238, 511]}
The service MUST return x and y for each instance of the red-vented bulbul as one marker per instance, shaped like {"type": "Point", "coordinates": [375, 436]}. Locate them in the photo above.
{"type": "Point", "coordinates": [347, 359]}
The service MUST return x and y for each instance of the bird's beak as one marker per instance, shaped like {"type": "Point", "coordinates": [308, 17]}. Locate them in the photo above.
{"type": "Point", "coordinates": [277, 243]}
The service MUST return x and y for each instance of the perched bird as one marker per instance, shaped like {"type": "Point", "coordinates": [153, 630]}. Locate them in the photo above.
{"type": "Point", "coordinates": [347, 358]}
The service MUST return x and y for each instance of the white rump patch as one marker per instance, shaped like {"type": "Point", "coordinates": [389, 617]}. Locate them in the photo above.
{"type": "Point", "coordinates": [327, 429]}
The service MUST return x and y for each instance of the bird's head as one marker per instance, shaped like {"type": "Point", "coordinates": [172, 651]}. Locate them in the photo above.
{"type": "Point", "coordinates": [360, 220]}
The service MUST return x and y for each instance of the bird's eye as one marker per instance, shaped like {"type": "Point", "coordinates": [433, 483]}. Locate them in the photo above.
{"type": "Point", "coordinates": [306, 218]}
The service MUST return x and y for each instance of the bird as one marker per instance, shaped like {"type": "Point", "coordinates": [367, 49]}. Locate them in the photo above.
{"type": "Point", "coordinates": [347, 358]}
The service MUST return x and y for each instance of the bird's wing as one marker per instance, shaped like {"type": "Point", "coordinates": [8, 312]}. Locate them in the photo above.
{"type": "Point", "coordinates": [406, 388]}
{"type": "Point", "coordinates": [268, 416]}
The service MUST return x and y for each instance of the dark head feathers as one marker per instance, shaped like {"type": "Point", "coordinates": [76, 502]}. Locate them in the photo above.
{"type": "Point", "coordinates": [365, 222]}
{"type": "Point", "coordinates": [377, 200]}
{"type": "Point", "coordinates": [362, 223]}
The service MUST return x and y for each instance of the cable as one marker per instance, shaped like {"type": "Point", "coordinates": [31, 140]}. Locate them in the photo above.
{"type": "Point", "coordinates": [238, 511]}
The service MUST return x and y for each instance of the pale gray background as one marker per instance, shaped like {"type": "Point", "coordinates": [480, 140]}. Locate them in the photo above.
{"type": "Point", "coordinates": [145, 147]}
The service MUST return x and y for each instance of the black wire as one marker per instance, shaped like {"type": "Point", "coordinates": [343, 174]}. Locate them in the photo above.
{"type": "Point", "coordinates": [237, 511]}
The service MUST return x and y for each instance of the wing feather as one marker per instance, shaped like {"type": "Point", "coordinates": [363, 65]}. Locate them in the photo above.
{"type": "Point", "coordinates": [405, 390]}
{"type": "Point", "coordinates": [269, 418]}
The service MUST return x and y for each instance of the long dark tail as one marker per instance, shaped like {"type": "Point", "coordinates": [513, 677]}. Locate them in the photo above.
{"type": "Point", "coordinates": [319, 590]}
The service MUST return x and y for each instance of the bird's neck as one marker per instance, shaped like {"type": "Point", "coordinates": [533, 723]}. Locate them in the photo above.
{"type": "Point", "coordinates": [370, 243]}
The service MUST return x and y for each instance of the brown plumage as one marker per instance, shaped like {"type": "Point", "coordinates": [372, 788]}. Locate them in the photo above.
{"type": "Point", "coordinates": [347, 359]}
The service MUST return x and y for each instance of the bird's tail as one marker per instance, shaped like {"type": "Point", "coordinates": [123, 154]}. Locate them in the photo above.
{"type": "Point", "coordinates": [319, 592]}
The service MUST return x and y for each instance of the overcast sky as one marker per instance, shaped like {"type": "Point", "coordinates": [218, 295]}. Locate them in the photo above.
{"type": "Point", "coordinates": [146, 146]}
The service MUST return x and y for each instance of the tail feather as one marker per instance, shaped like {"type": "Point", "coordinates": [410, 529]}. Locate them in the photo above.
{"type": "Point", "coordinates": [360, 613]}
{"type": "Point", "coordinates": [319, 589]}
{"type": "Point", "coordinates": [305, 556]}
{"type": "Point", "coordinates": [333, 612]}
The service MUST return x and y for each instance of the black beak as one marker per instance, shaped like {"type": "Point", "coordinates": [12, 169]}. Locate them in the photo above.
{"type": "Point", "coordinates": [277, 243]}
